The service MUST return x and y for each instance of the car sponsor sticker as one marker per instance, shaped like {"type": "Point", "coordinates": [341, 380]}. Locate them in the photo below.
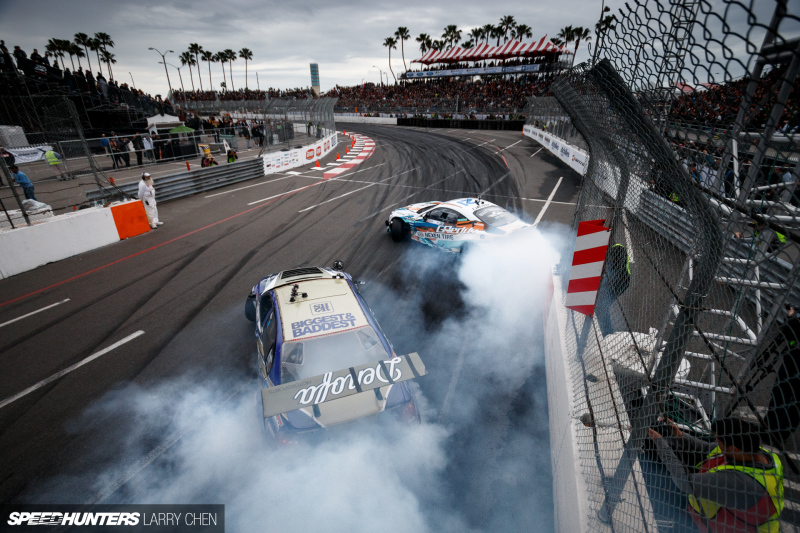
{"type": "Point", "coordinates": [318, 308]}
{"type": "Point", "coordinates": [323, 323]}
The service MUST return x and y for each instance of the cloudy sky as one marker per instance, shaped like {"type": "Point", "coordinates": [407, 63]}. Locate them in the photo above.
{"type": "Point", "coordinates": [345, 38]}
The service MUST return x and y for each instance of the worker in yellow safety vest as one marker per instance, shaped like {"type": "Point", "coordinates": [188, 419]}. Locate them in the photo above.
{"type": "Point", "coordinates": [54, 160]}
{"type": "Point", "coordinates": [736, 487]}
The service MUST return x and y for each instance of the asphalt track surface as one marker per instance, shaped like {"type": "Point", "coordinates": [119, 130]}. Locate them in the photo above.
{"type": "Point", "coordinates": [184, 285]}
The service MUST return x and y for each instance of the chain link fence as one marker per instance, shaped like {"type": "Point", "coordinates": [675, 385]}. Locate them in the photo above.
{"type": "Point", "coordinates": [686, 379]}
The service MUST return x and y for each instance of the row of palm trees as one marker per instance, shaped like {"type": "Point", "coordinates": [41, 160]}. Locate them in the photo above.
{"type": "Point", "coordinates": [506, 29]}
{"type": "Point", "coordinates": [195, 54]}
{"type": "Point", "coordinates": [79, 48]}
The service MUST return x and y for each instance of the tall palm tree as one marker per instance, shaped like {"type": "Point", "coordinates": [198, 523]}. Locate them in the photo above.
{"type": "Point", "coordinates": [601, 29]}
{"type": "Point", "coordinates": [467, 44]}
{"type": "Point", "coordinates": [208, 57]}
{"type": "Point", "coordinates": [488, 32]}
{"type": "Point", "coordinates": [230, 55]}
{"type": "Point", "coordinates": [451, 35]}
{"type": "Point", "coordinates": [497, 33]}
{"type": "Point", "coordinates": [95, 46]}
{"type": "Point", "coordinates": [188, 59]}
{"type": "Point", "coordinates": [66, 46]}
{"type": "Point", "coordinates": [110, 59]}
{"type": "Point", "coordinates": [522, 31]}
{"type": "Point", "coordinates": [54, 46]}
{"type": "Point", "coordinates": [507, 23]}
{"type": "Point", "coordinates": [105, 40]}
{"type": "Point", "coordinates": [220, 58]}
{"type": "Point", "coordinates": [437, 45]}
{"type": "Point", "coordinates": [424, 41]}
{"type": "Point", "coordinates": [567, 35]}
{"type": "Point", "coordinates": [476, 34]}
{"type": "Point", "coordinates": [391, 42]}
{"type": "Point", "coordinates": [247, 55]}
{"type": "Point", "coordinates": [77, 52]}
{"type": "Point", "coordinates": [580, 34]}
{"type": "Point", "coordinates": [556, 42]}
{"type": "Point", "coordinates": [196, 49]}
{"type": "Point", "coordinates": [402, 35]}
{"type": "Point", "coordinates": [81, 39]}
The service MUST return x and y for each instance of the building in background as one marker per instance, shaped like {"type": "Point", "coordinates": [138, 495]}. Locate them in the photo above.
{"type": "Point", "coordinates": [315, 78]}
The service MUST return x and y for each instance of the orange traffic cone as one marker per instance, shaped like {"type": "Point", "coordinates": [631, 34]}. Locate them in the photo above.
{"type": "Point", "coordinates": [337, 155]}
{"type": "Point", "coordinates": [317, 163]}
{"type": "Point", "coordinates": [347, 149]}
{"type": "Point", "coordinates": [187, 166]}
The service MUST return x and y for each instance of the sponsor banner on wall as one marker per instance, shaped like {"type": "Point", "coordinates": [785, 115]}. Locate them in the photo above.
{"type": "Point", "coordinates": [473, 71]}
{"type": "Point", "coordinates": [281, 161]}
{"type": "Point", "coordinates": [28, 155]}
{"type": "Point", "coordinates": [576, 158]}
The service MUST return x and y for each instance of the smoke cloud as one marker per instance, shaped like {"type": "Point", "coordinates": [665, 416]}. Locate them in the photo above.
{"type": "Point", "coordinates": [479, 461]}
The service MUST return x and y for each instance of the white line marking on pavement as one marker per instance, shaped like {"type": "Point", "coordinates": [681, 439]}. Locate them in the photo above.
{"type": "Point", "coordinates": [359, 189]}
{"type": "Point", "coordinates": [510, 145]}
{"type": "Point", "coordinates": [547, 203]}
{"type": "Point", "coordinates": [507, 174]}
{"type": "Point", "coordinates": [379, 211]}
{"type": "Point", "coordinates": [537, 151]}
{"type": "Point", "coordinates": [312, 185]}
{"type": "Point", "coordinates": [540, 200]}
{"type": "Point", "coordinates": [34, 312]}
{"type": "Point", "coordinates": [69, 369]}
{"type": "Point", "coordinates": [247, 187]}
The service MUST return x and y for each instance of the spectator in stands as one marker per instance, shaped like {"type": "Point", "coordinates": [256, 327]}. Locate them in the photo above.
{"type": "Point", "coordinates": [36, 58]}
{"type": "Point", "coordinates": [735, 486]}
{"type": "Point", "coordinates": [138, 146]}
{"type": "Point", "coordinates": [102, 85]}
{"type": "Point", "coordinates": [19, 53]}
{"type": "Point", "coordinates": [69, 81]}
{"type": "Point", "coordinates": [147, 194]}
{"type": "Point", "coordinates": [232, 157]}
{"type": "Point", "coordinates": [23, 181]}
{"type": "Point", "coordinates": [783, 417]}
{"type": "Point", "coordinates": [114, 147]}
{"type": "Point", "coordinates": [126, 147]}
{"type": "Point", "coordinates": [6, 64]}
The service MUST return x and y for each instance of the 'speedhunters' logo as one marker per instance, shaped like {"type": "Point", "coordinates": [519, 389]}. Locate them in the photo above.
{"type": "Point", "coordinates": [44, 518]}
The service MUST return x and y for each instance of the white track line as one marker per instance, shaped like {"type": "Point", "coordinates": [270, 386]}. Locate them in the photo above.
{"type": "Point", "coordinates": [510, 145]}
{"type": "Point", "coordinates": [312, 185]}
{"type": "Point", "coordinates": [359, 189]}
{"type": "Point", "coordinates": [399, 202]}
{"type": "Point", "coordinates": [547, 203]}
{"type": "Point", "coordinates": [537, 151]}
{"type": "Point", "coordinates": [34, 312]}
{"type": "Point", "coordinates": [247, 187]}
{"type": "Point", "coordinates": [69, 369]}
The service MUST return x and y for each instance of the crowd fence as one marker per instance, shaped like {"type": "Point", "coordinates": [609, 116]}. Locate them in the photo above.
{"type": "Point", "coordinates": [692, 341]}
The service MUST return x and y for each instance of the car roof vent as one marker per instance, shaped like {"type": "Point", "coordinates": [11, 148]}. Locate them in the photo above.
{"type": "Point", "coordinates": [295, 272]}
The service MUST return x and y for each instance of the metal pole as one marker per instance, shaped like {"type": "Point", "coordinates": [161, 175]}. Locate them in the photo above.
{"type": "Point", "coordinates": [74, 114]}
{"type": "Point", "coordinates": [257, 84]}
{"type": "Point", "coordinates": [133, 82]}
{"type": "Point", "coordinates": [163, 59]}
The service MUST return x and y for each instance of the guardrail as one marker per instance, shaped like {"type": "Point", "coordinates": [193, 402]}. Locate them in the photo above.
{"type": "Point", "coordinates": [187, 183]}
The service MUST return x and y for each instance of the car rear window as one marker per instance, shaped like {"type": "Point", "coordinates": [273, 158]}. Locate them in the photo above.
{"type": "Point", "coordinates": [495, 216]}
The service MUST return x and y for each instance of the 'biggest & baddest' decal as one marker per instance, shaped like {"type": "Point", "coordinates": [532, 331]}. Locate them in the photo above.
{"type": "Point", "coordinates": [323, 323]}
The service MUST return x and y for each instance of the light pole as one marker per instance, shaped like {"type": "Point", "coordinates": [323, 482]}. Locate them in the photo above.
{"type": "Point", "coordinates": [179, 77]}
{"type": "Point", "coordinates": [381, 73]}
{"type": "Point", "coordinates": [165, 64]}
{"type": "Point", "coordinates": [133, 82]}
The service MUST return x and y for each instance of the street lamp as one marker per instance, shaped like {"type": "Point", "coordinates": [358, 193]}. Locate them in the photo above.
{"type": "Point", "coordinates": [381, 72]}
{"type": "Point", "coordinates": [165, 63]}
{"type": "Point", "coordinates": [179, 76]}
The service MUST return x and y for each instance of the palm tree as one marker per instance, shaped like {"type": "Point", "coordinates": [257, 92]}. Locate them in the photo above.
{"type": "Point", "coordinates": [105, 40]}
{"type": "Point", "coordinates": [602, 28]}
{"type": "Point", "coordinates": [110, 59]}
{"type": "Point", "coordinates": [188, 59]}
{"type": "Point", "coordinates": [196, 49]}
{"type": "Point", "coordinates": [451, 35]}
{"type": "Point", "coordinates": [208, 57]}
{"type": "Point", "coordinates": [53, 47]}
{"type": "Point", "coordinates": [580, 33]}
{"type": "Point", "coordinates": [522, 31]}
{"type": "Point", "coordinates": [497, 33]}
{"type": "Point", "coordinates": [390, 43]}
{"type": "Point", "coordinates": [436, 45]}
{"type": "Point", "coordinates": [557, 42]}
{"type": "Point", "coordinates": [467, 44]}
{"type": "Point", "coordinates": [567, 35]}
{"type": "Point", "coordinates": [66, 46]}
{"type": "Point", "coordinates": [247, 55]}
{"type": "Point", "coordinates": [95, 46]}
{"type": "Point", "coordinates": [78, 52]}
{"type": "Point", "coordinates": [476, 34]}
{"type": "Point", "coordinates": [403, 35]}
{"type": "Point", "coordinates": [424, 41]}
{"type": "Point", "coordinates": [488, 32]}
{"type": "Point", "coordinates": [507, 23]}
{"type": "Point", "coordinates": [81, 39]}
{"type": "Point", "coordinates": [230, 55]}
{"type": "Point", "coordinates": [220, 58]}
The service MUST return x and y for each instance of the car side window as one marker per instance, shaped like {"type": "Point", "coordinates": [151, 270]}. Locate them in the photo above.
{"type": "Point", "coordinates": [436, 214]}
{"type": "Point", "coordinates": [270, 341]}
{"type": "Point", "coordinates": [449, 216]}
{"type": "Point", "coordinates": [264, 308]}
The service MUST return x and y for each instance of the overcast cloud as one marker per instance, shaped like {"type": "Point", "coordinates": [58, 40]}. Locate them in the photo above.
{"type": "Point", "coordinates": [345, 38]}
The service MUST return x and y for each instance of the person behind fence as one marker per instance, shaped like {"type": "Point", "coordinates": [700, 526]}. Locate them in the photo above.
{"type": "Point", "coordinates": [23, 181]}
{"type": "Point", "coordinates": [138, 146]}
{"type": "Point", "coordinates": [232, 157]}
{"type": "Point", "coordinates": [783, 416]}
{"type": "Point", "coordinates": [208, 161]}
{"type": "Point", "coordinates": [615, 282]}
{"type": "Point", "coordinates": [735, 485]}
{"type": "Point", "coordinates": [54, 160]}
{"type": "Point", "coordinates": [148, 146]}
{"type": "Point", "coordinates": [147, 194]}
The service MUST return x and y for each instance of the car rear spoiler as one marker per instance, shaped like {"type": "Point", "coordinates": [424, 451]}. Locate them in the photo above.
{"type": "Point", "coordinates": [334, 385]}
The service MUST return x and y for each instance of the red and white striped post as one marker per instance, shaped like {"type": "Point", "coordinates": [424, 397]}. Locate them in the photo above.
{"type": "Point", "coordinates": [591, 246]}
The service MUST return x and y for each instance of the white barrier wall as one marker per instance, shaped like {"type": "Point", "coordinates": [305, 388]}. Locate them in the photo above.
{"type": "Point", "coordinates": [278, 161]}
{"type": "Point", "coordinates": [573, 156]}
{"type": "Point", "coordinates": [355, 119]}
{"type": "Point", "coordinates": [60, 237]}
{"type": "Point", "coordinates": [570, 493]}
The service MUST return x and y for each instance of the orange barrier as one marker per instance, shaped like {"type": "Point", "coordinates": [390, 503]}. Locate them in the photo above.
{"type": "Point", "coordinates": [130, 219]}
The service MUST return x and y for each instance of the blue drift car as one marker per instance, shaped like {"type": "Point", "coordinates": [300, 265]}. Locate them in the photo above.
{"type": "Point", "coordinates": [311, 323]}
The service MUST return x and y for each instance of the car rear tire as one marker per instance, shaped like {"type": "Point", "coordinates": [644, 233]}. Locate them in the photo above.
{"type": "Point", "coordinates": [399, 229]}
{"type": "Point", "coordinates": [250, 308]}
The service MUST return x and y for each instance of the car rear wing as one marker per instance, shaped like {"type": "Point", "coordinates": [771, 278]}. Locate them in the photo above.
{"type": "Point", "coordinates": [334, 385]}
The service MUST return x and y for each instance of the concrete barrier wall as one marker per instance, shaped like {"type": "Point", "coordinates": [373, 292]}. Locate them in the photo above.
{"type": "Point", "coordinates": [355, 119]}
{"type": "Point", "coordinates": [279, 161]}
{"type": "Point", "coordinates": [570, 494]}
{"type": "Point", "coordinates": [573, 156]}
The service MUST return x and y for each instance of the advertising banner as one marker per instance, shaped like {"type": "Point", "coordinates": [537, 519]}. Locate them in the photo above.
{"type": "Point", "coordinates": [573, 156]}
{"type": "Point", "coordinates": [473, 71]}
{"type": "Point", "coordinates": [28, 155]}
